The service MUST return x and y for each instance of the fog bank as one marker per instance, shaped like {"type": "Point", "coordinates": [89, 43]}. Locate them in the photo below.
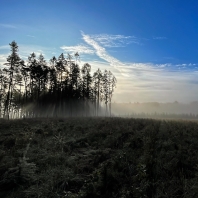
{"type": "Point", "coordinates": [155, 108]}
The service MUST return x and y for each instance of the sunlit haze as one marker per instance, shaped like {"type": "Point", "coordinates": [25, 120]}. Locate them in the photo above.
{"type": "Point", "coordinates": [149, 46]}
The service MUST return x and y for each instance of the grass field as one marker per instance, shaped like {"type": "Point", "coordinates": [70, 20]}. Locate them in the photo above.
{"type": "Point", "coordinates": [98, 157]}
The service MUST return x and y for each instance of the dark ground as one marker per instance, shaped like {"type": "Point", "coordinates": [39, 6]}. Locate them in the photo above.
{"type": "Point", "coordinates": [98, 157]}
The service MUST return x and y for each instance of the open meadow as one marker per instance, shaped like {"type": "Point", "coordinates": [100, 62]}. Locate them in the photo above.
{"type": "Point", "coordinates": [98, 157]}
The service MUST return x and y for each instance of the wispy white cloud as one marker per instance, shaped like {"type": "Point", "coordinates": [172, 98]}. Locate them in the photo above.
{"type": "Point", "coordinates": [109, 40]}
{"type": "Point", "coordinates": [101, 52]}
{"type": "Point", "coordinates": [30, 36]}
{"type": "Point", "coordinates": [26, 50]}
{"type": "Point", "coordinates": [4, 47]}
{"type": "Point", "coordinates": [81, 49]}
{"type": "Point", "coordinates": [149, 81]}
{"type": "Point", "coordinates": [7, 25]}
{"type": "Point", "coordinates": [159, 38]}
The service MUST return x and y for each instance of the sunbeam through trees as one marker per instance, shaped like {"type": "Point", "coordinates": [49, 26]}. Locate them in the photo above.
{"type": "Point", "coordinates": [57, 88]}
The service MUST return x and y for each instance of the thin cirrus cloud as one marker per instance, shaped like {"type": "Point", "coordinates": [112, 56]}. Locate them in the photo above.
{"type": "Point", "coordinates": [101, 52]}
{"type": "Point", "coordinates": [82, 49]}
{"type": "Point", "coordinates": [7, 25]}
{"type": "Point", "coordinates": [109, 40]}
{"type": "Point", "coordinates": [122, 67]}
{"type": "Point", "coordinates": [148, 81]}
{"type": "Point", "coordinates": [159, 38]}
{"type": "Point", "coordinates": [4, 47]}
{"type": "Point", "coordinates": [30, 36]}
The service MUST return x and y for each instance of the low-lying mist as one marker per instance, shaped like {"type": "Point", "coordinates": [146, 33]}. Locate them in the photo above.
{"type": "Point", "coordinates": [89, 109]}
{"type": "Point", "coordinates": [61, 109]}
{"type": "Point", "coordinates": [155, 109]}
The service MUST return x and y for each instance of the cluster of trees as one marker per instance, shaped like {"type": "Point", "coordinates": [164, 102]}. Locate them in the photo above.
{"type": "Point", "coordinates": [55, 88]}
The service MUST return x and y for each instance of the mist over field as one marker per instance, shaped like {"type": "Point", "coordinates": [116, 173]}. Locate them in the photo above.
{"type": "Point", "coordinates": [155, 107]}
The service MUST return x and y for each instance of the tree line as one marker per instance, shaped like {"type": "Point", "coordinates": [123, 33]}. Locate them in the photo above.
{"type": "Point", "coordinates": [38, 88]}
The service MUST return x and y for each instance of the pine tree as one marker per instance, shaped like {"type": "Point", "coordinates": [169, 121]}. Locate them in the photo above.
{"type": "Point", "coordinates": [105, 89]}
{"type": "Point", "coordinates": [97, 79]}
{"type": "Point", "coordinates": [86, 84]}
{"type": "Point", "coordinates": [3, 86]}
{"type": "Point", "coordinates": [53, 75]}
{"type": "Point", "coordinates": [13, 62]}
{"type": "Point", "coordinates": [111, 84]}
{"type": "Point", "coordinates": [32, 63]}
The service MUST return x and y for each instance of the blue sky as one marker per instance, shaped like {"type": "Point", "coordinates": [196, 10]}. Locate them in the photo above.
{"type": "Point", "coordinates": [150, 46]}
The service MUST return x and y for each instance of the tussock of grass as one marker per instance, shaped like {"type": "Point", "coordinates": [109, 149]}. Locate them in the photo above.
{"type": "Point", "coordinates": [97, 157]}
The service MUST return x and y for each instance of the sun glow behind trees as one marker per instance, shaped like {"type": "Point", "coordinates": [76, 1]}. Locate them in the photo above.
{"type": "Point", "coordinates": [58, 88]}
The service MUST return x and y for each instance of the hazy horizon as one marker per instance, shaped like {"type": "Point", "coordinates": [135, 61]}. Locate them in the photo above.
{"type": "Point", "coordinates": [150, 47]}
{"type": "Point", "coordinates": [155, 108]}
